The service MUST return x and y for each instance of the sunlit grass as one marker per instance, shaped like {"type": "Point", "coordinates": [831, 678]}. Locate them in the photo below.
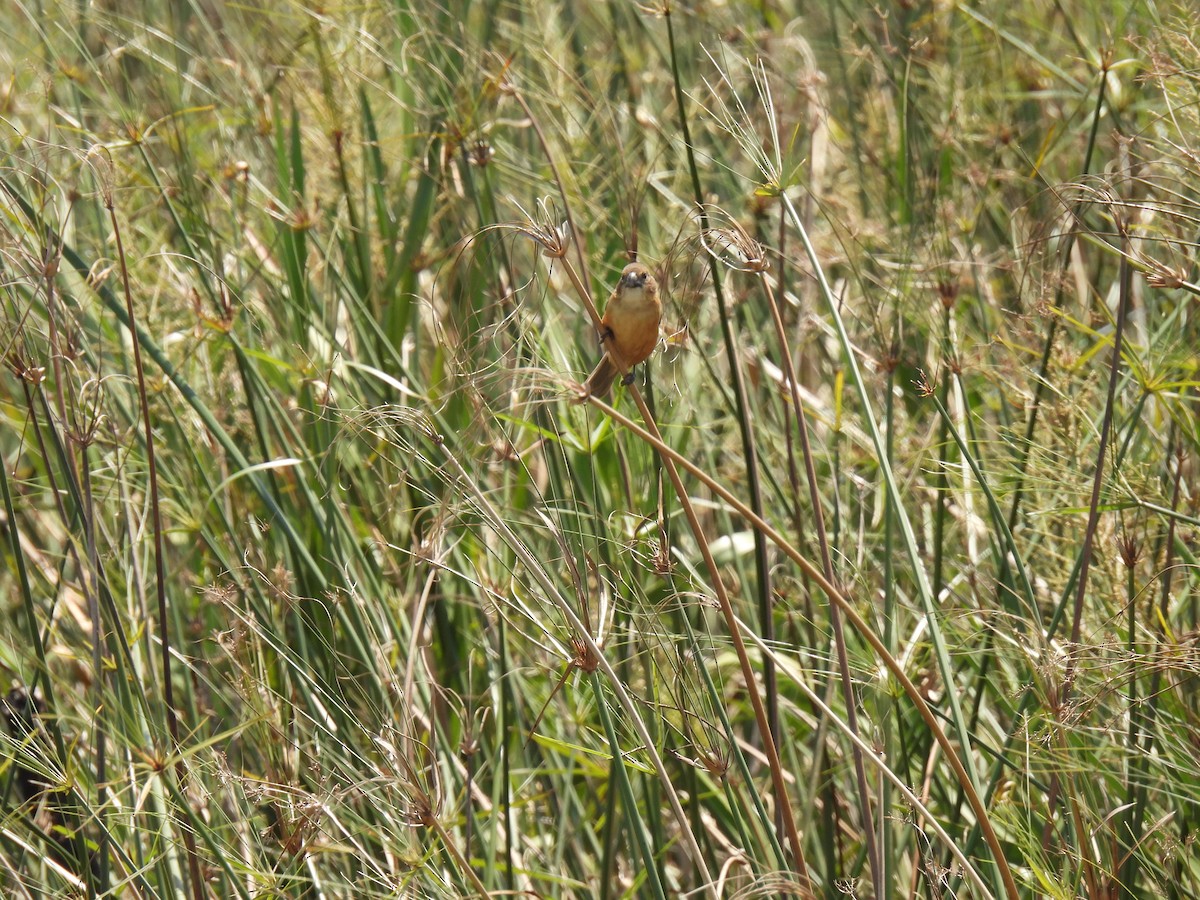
{"type": "Point", "coordinates": [346, 591]}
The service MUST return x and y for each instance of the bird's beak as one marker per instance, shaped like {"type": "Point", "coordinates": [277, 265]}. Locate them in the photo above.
{"type": "Point", "coordinates": [635, 279]}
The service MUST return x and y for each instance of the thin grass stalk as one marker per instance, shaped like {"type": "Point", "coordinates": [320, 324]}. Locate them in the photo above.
{"type": "Point", "coordinates": [835, 616]}
{"type": "Point", "coordinates": [1098, 475]}
{"type": "Point", "coordinates": [822, 783]}
{"type": "Point", "coordinates": [160, 574]}
{"type": "Point", "coordinates": [1031, 693]}
{"type": "Point", "coordinates": [1065, 598]}
{"type": "Point", "coordinates": [860, 180]}
{"type": "Point", "coordinates": [460, 862]}
{"type": "Point", "coordinates": [51, 260]}
{"type": "Point", "coordinates": [1010, 544]}
{"type": "Point", "coordinates": [1006, 590]}
{"type": "Point", "coordinates": [193, 824]}
{"type": "Point", "coordinates": [1090, 865]}
{"type": "Point", "coordinates": [124, 659]}
{"type": "Point", "coordinates": [608, 861]}
{"type": "Point", "coordinates": [290, 175]}
{"type": "Point", "coordinates": [1123, 845]}
{"type": "Point", "coordinates": [859, 624]}
{"type": "Point", "coordinates": [1003, 553]}
{"type": "Point", "coordinates": [1041, 381]}
{"type": "Point", "coordinates": [576, 235]}
{"type": "Point", "coordinates": [1136, 792]}
{"type": "Point", "coordinates": [735, 749]}
{"type": "Point", "coordinates": [878, 762]}
{"type": "Point", "coordinates": [766, 615]}
{"type": "Point", "coordinates": [360, 258]}
{"type": "Point", "coordinates": [914, 555]}
{"type": "Point", "coordinates": [583, 631]}
{"type": "Point", "coordinates": [893, 743]}
{"type": "Point", "coordinates": [637, 827]}
{"type": "Point", "coordinates": [505, 734]}
{"type": "Point", "coordinates": [658, 836]}
{"type": "Point", "coordinates": [770, 749]}
{"type": "Point", "coordinates": [69, 519]}
{"type": "Point", "coordinates": [941, 481]}
{"type": "Point", "coordinates": [167, 198]}
{"type": "Point", "coordinates": [1024, 46]}
{"type": "Point", "coordinates": [88, 579]}
{"type": "Point", "coordinates": [905, 189]}
{"type": "Point", "coordinates": [793, 472]}
{"type": "Point", "coordinates": [42, 674]}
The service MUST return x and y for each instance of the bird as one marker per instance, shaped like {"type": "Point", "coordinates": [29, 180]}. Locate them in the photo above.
{"type": "Point", "coordinates": [629, 329]}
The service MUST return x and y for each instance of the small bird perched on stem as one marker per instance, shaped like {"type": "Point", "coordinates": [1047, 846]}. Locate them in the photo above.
{"type": "Point", "coordinates": [629, 329]}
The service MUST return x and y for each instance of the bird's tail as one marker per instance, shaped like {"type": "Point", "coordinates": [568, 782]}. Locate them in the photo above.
{"type": "Point", "coordinates": [600, 381]}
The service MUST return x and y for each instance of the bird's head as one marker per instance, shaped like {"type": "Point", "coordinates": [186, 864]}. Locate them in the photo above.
{"type": "Point", "coordinates": [636, 276]}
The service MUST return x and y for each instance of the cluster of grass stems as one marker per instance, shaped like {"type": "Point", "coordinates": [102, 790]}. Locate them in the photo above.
{"type": "Point", "coordinates": [321, 578]}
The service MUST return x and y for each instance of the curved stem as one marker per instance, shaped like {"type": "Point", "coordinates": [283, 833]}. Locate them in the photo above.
{"type": "Point", "coordinates": [857, 621]}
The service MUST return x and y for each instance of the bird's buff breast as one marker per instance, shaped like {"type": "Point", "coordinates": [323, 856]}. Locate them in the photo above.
{"type": "Point", "coordinates": [633, 319]}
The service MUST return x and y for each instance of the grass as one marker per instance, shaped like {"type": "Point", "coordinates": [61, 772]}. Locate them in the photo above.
{"type": "Point", "coordinates": [320, 579]}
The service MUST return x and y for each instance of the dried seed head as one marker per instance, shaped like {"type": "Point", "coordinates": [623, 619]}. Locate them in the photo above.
{"type": "Point", "coordinates": [100, 162]}
{"type": "Point", "coordinates": [731, 244]}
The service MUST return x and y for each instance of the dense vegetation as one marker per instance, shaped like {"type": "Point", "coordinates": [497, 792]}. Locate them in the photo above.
{"type": "Point", "coordinates": [321, 579]}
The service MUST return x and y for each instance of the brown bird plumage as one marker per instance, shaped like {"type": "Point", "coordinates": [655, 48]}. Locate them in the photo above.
{"type": "Point", "coordinates": [629, 328]}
